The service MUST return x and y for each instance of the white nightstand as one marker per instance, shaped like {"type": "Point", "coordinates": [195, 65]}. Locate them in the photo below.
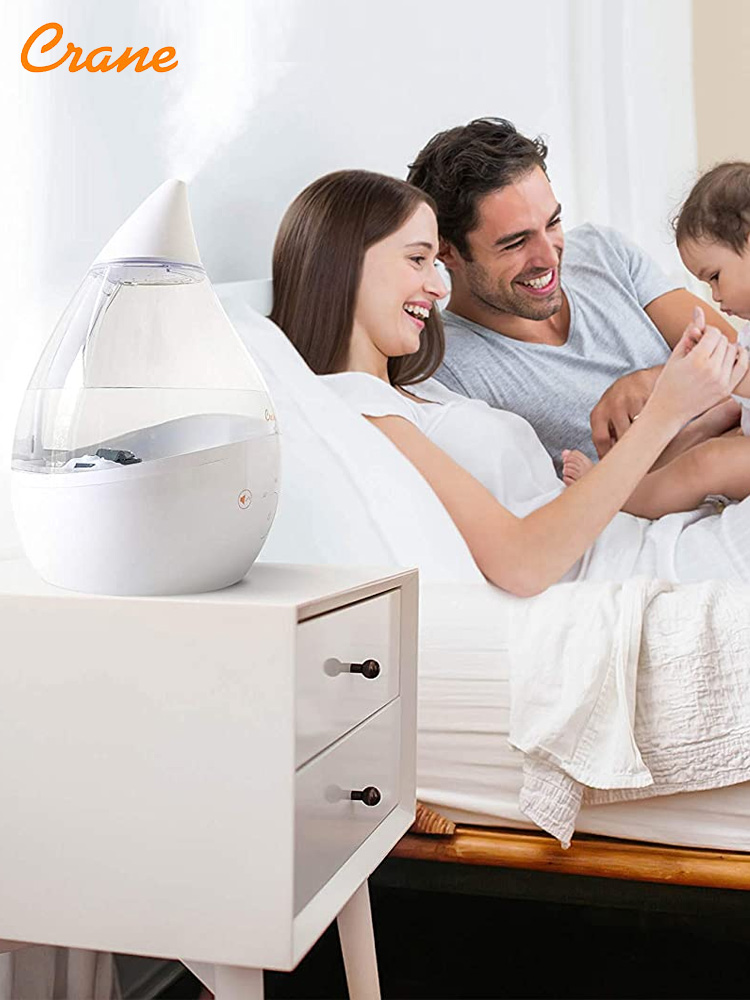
{"type": "Point", "coordinates": [178, 772]}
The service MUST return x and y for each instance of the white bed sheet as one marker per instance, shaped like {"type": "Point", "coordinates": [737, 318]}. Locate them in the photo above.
{"type": "Point", "coordinates": [465, 766]}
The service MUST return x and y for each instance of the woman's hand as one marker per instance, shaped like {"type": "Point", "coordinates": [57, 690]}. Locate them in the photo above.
{"type": "Point", "coordinates": [702, 370]}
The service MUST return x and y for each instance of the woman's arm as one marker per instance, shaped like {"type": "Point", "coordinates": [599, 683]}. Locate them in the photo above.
{"type": "Point", "coordinates": [526, 555]}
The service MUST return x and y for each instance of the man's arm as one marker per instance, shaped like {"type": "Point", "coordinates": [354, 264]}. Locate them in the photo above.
{"type": "Point", "coordinates": [670, 313]}
{"type": "Point", "coordinates": [623, 401]}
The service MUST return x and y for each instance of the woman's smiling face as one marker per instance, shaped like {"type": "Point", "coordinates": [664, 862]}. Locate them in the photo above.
{"type": "Point", "coordinates": [398, 288]}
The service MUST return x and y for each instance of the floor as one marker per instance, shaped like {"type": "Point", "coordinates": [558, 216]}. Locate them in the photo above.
{"type": "Point", "coordinates": [441, 945]}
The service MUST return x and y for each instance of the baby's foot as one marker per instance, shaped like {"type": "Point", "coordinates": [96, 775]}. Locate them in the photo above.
{"type": "Point", "coordinates": [575, 465]}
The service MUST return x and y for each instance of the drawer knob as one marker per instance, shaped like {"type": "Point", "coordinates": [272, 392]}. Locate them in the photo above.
{"type": "Point", "coordinates": [368, 668]}
{"type": "Point", "coordinates": [370, 796]}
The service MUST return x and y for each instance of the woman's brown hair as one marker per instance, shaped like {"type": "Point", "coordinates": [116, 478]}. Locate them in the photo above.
{"type": "Point", "coordinates": [317, 268]}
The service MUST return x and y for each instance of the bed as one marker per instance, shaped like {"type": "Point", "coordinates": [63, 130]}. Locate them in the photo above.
{"type": "Point", "coordinates": [469, 780]}
{"type": "Point", "coordinates": [384, 513]}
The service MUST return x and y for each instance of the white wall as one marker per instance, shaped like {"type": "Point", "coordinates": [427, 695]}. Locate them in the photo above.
{"type": "Point", "coordinates": [268, 96]}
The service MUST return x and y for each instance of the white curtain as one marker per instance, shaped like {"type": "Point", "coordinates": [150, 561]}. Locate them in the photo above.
{"type": "Point", "coordinates": [634, 136]}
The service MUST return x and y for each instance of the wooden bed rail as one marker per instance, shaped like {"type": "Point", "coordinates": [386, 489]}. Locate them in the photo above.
{"type": "Point", "coordinates": [596, 856]}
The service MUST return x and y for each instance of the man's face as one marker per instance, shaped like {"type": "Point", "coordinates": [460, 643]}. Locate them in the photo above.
{"type": "Point", "coordinates": [515, 250]}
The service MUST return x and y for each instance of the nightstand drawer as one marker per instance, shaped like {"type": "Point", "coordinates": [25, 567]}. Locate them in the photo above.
{"type": "Point", "coordinates": [330, 698]}
{"type": "Point", "coordinates": [329, 824]}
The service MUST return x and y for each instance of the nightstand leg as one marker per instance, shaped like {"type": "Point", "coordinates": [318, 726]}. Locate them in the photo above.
{"type": "Point", "coordinates": [234, 983]}
{"type": "Point", "coordinates": [358, 947]}
{"type": "Point", "coordinates": [228, 982]}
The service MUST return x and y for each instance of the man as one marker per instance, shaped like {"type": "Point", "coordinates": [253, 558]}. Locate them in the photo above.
{"type": "Point", "coordinates": [575, 348]}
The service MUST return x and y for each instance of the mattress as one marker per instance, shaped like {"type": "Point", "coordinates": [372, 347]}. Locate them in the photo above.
{"type": "Point", "coordinates": [467, 770]}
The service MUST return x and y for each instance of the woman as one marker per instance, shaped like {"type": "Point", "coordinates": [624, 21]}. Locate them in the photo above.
{"type": "Point", "coordinates": [355, 287]}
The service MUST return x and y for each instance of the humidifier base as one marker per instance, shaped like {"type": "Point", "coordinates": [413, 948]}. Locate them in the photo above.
{"type": "Point", "coordinates": [181, 525]}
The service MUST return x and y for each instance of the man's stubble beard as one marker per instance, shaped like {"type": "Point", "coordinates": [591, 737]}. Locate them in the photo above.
{"type": "Point", "coordinates": [508, 302]}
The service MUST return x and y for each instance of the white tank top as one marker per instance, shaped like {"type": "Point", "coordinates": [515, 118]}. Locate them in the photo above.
{"type": "Point", "coordinates": [503, 452]}
{"type": "Point", "coordinates": [498, 448]}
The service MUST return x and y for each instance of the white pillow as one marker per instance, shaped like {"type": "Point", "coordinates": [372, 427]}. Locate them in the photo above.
{"type": "Point", "coordinates": [348, 496]}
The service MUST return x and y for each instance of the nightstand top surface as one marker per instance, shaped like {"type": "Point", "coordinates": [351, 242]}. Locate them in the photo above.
{"type": "Point", "coordinates": [272, 584]}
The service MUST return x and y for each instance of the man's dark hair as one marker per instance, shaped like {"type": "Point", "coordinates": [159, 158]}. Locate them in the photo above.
{"type": "Point", "coordinates": [718, 208]}
{"type": "Point", "coordinates": [459, 166]}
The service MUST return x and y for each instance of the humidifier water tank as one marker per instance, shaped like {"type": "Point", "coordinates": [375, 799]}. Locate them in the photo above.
{"type": "Point", "coordinates": [146, 455]}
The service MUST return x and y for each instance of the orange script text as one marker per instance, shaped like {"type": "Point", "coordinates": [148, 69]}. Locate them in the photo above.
{"type": "Point", "coordinates": [97, 61]}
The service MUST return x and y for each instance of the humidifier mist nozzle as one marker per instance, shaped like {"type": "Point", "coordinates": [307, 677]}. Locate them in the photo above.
{"type": "Point", "coordinates": [159, 229]}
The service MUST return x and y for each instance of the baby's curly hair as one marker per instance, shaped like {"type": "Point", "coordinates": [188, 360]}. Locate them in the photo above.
{"type": "Point", "coordinates": [718, 208]}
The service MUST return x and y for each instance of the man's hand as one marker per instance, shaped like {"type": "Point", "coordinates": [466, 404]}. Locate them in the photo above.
{"type": "Point", "coordinates": [619, 406]}
{"type": "Point", "coordinates": [625, 398]}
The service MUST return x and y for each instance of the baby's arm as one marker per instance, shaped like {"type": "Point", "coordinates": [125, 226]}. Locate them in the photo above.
{"type": "Point", "coordinates": [711, 424]}
{"type": "Point", "coordinates": [721, 465]}
{"type": "Point", "coordinates": [720, 419]}
{"type": "Point", "coordinates": [743, 387]}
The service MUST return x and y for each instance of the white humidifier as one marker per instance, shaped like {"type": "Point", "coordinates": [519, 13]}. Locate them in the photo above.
{"type": "Point", "coordinates": [146, 455]}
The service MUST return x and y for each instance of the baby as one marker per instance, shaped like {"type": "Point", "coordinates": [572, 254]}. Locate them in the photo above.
{"type": "Point", "coordinates": [713, 238]}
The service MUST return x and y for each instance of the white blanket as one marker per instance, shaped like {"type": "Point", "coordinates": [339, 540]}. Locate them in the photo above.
{"type": "Point", "coordinates": [628, 690]}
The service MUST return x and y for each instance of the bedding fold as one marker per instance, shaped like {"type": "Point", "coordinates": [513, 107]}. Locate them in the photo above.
{"type": "Point", "coordinates": [628, 690]}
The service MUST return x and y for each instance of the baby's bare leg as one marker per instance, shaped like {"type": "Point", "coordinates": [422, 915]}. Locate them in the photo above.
{"type": "Point", "coordinates": [721, 465]}
{"type": "Point", "coordinates": [713, 423]}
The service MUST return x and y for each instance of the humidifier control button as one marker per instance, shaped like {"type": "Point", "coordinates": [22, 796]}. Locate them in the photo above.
{"type": "Point", "coordinates": [117, 455]}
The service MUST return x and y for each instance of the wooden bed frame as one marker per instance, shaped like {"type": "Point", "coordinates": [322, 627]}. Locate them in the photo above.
{"type": "Point", "coordinates": [661, 886]}
{"type": "Point", "coordinates": [598, 857]}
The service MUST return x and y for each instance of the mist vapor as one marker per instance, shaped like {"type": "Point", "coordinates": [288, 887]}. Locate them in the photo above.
{"type": "Point", "coordinates": [230, 57]}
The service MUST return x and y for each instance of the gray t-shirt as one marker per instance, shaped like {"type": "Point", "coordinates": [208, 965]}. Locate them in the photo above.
{"type": "Point", "coordinates": [608, 282]}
